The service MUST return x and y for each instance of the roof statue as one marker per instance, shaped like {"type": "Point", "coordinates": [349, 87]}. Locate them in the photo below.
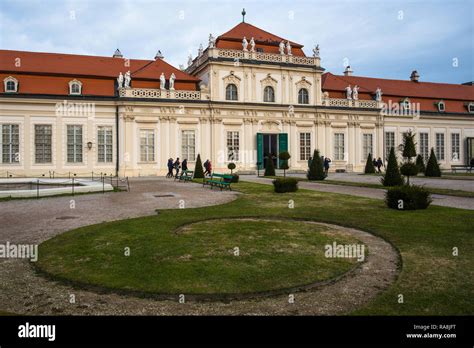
{"type": "Point", "coordinates": [127, 79]}
{"type": "Point", "coordinates": [252, 45]}
{"type": "Point", "coordinates": [316, 51]}
{"type": "Point", "coordinates": [288, 48]}
{"type": "Point", "coordinates": [348, 92]}
{"type": "Point", "coordinates": [120, 80]}
{"type": "Point", "coordinates": [245, 44]}
{"type": "Point", "coordinates": [282, 48]}
{"type": "Point", "coordinates": [162, 81]}
{"type": "Point", "coordinates": [355, 92]}
{"type": "Point", "coordinates": [172, 79]}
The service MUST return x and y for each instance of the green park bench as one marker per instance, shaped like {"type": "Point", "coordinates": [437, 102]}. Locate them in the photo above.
{"type": "Point", "coordinates": [464, 167]}
{"type": "Point", "coordinates": [187, 175]}
{"type": "Point", "coordinates": [218, 180]}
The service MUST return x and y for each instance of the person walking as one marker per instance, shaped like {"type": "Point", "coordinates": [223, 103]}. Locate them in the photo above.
{"type": "Point", "coordinates": [379, 164]}
{"type": "Point", "coordinates": [326, 165]}
{"type": "Point", "coordinates": [184, 166]}
{"type": "Point", "coordinates": [170, 168]}
{"type": "Point", "coordinates": [206, 167]}
{"type": "Point", "coordinates": [209, 166]}
{"type": "Point", "coordinates": [176, 166]}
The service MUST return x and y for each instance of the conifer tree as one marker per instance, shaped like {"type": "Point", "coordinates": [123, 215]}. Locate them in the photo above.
{"type": "Point", "coordinates": [316, 170]}
{"type": "Point", "coordinates": [432, 167]}
{"type": "Point", "coordinates": [420, 164]}
{"type": "Point", "coordinates": [198, 171]}
{"type": "Point", "coordinates": [392, 175]}
{"type": "Point", "coordinates": [270, 167]}
{"type": "Point", "coordinates": [369, 165]}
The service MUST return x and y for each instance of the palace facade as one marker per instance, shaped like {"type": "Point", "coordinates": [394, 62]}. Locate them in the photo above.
{"type": "Point", "coordinates": [249, 94]}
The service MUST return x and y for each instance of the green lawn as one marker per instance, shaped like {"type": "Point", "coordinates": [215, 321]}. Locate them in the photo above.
{"type": "Point", "coordinates": [198, 258]}
{"type": "Point", "coordinates": [432, 280]}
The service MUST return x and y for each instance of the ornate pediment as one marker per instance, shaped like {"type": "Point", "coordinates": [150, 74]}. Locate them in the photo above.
{"type": "Point", "coordinates": [269, 81]}
{"type": "Point", "coordinates": [232, 78]}
{"type": "Point", "coordinates": [303, 83]}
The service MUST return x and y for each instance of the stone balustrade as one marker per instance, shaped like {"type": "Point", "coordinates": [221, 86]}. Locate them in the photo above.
{"type": "Point", "coordinates": [373, 104]}
{"type": "Point", "coordinates": [237, 55]}
{"type": "Point", "coordinates": [161, 94]}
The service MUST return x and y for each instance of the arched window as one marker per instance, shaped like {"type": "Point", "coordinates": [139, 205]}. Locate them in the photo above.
{"type": "Point", "coordinates": [231, 92]}
{"type": "Point", "coordinates": [269, 94]}
{"type": "Point", "coordinates": [303, 97]}
{"type": "Point", "coordinates": [10, 84]}
{"type": "Point", "coordinates": [75, 87]}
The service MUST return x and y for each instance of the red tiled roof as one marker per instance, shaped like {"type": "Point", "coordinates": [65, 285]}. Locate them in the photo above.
{"type": "Point", "coordinates": [80, 65]}
{"type": "Point", "coordinates": [425, 93]}
{"type": "Point", "coordinates": [233, 39]}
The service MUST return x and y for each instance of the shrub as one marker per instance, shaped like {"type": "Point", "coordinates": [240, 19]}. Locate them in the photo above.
{"type": "Point", "coordinates": [420, 163]}
{"type": "Point", "coordinates": [316, 170]}
{"type": "Point", "coordinates": [282, 185]}
{"type": "Point", "coordinates": [409, 169]}
{"type": "Point", "coordinates": [284, 157]}
{"type": "Point", "coordinates": [369, 165]}
{"type": "Point", "coordinates": [409, 149]}
{"type": "Point", "coordinates": [198, 169]}
{"type": "Point", "coordinates": [407, 197]}
{"type": "Point", "coordinates": [432, 167]}
{"type": "Point", "coordinates": [235, 178]}
{"type": "Point", "coordinates": [231, 166]}
{"type": "Point", "coordinates": [270, 167]}
{"type": "Point", "coordinates": [392, 175]}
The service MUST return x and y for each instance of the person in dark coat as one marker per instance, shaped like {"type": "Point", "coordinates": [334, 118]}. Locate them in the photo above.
{"type": "Point", "coordinates": [170, 168]}
{"type": "Point", "coordinates": [176, 166]}
{"type": "Point", "coordinates": [379, 164]}
{"type": "Point", "coordinates": [184, 166]}
{"type": "Point", "coordinates": [326, 165]}
{"type": "Point", "coordinates": [206, 167]}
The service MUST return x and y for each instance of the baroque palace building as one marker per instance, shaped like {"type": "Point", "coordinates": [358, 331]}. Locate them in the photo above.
{"type": "Point", "coordinates": [247, 95]}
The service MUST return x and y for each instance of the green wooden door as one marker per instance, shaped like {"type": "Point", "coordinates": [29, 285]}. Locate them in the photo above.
{"type": "Point", "coordinates": [282, 145]}
{"type": "Point", "coordinates": [260, 150]}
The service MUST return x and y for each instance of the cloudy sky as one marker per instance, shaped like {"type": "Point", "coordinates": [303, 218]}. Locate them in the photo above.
{"type": "Point", "coordinates": [377, 38]}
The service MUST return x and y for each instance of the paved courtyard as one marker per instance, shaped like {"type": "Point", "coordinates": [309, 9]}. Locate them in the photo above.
{"type": "Point", "coordinates": [23, 291]}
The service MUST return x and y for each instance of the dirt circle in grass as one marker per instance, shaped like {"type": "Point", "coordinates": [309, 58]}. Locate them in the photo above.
{"type": "Point", "coordinates": [210, 259]}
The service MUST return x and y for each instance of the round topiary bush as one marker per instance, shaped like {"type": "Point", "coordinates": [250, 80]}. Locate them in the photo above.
{"type": "Point", "coordinates": [282, 185]}
{"type": "Point", "coordinates": [231, 166]}
{"type": "Point", "coordinates": [407, 197]}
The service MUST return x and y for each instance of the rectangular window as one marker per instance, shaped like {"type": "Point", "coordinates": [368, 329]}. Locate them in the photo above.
{"type": "Point", "coordinates": [10, 143]}
{"type": "Point", "coordinates": [367, 145]}
{"type": "Point", "coordinates": [43, 136]}
{"type": "Point", "coordinates": [440, 146]}
{"type": "Point", "coordinates": [74, 144]}
{"type": "Point", "coordinates": [233, 145]}
{"type": "Point", "coordinates": [339, 146]}
{"type": "Point", "coordinates": [389, 142]}
{"type": "Point", "coordinates": [188, 145]}
{"type": "Point", "coordinates": [424, 146]}
{"type": "Point", "coordinates": [455, 147]}
{"type": "Point", "coordinates": [104, 144]}
{"type": "Point", "coordinates": [305, 146]}
{"type": "Point", "coordinates": [147, 145]}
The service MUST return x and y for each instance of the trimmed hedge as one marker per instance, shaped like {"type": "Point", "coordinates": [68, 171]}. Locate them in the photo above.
{"type": "Point", "coordinates": [282, 185]}
{"type": "Point", "coordinates": [198, 168]}
{"type": "Point", "coordinates": [432, 167]}
{"type": "Point", "coordinates": [270, 168]}
{"type": "Point", "coordinates": [407, 197]}
{"type": "Point", "coordinates": [316, 169]}
{"type": "Point", "coordinates": [369, 165]}
{"type": "Point", "coordinates": [392, 175]}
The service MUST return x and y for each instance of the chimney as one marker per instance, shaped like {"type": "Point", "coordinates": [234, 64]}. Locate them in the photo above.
{"type": "Point", "coordinates": [414, 77]}
{"type": "Point", "coordinates": [348, 71]}
{"type": "Point", "coordinates": [158, 55]}
{"type": "Point", "coordinates": [117, 54]}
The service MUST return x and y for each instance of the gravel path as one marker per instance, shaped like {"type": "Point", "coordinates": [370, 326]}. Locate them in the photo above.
{"type": "Point", "coordinates": [442, 200]}
{"type": "Point", "coordinates": [22, 291]}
